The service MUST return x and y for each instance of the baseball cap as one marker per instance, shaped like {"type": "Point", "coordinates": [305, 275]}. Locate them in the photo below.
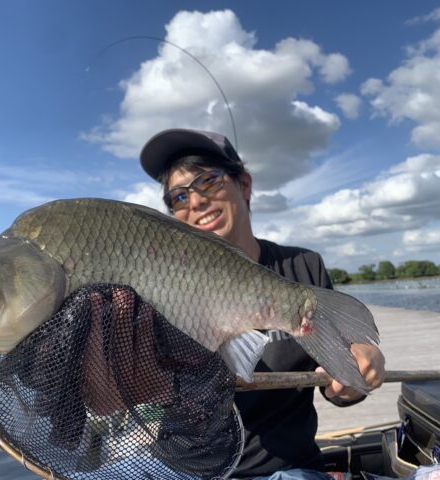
{"type": "Point", "coordinates": [166, 145]}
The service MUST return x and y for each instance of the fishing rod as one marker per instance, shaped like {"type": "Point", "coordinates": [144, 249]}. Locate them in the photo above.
{"type": "Point", "coordinates": [186, 52]}
{"type": "Point", "coordinates": [283, 380]}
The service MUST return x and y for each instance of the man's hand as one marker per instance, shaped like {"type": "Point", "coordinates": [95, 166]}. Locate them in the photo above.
{"type": "Point", "coordinates": [371, 364]}
{"type": "Point", "coordinates": [132, 346]}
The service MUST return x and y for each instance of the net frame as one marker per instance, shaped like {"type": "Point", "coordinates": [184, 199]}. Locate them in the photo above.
{"type": "Point", "coordinates": [17, 455]}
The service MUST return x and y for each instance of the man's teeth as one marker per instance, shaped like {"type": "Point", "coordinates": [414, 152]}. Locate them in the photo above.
{"type": "Point", "coordinates": [209, 218]}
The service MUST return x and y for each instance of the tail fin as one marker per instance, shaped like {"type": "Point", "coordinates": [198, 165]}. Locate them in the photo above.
{"type": "Point", "coordinates": [340, 320]}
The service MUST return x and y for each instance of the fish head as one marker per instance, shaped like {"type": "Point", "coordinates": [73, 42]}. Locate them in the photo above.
{"type": "Point", "coordinates": [32, 287]}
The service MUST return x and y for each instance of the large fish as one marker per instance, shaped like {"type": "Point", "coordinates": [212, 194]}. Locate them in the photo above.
{"type": "Point", "coordinates": [203, 285]}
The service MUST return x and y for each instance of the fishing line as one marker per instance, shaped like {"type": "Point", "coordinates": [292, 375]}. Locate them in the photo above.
{"type": "Point", "coordinates": [197, 60]}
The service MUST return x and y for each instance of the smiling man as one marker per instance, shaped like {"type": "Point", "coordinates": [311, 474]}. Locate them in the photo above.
{"type": "Point", "coordinates": [206, 185]}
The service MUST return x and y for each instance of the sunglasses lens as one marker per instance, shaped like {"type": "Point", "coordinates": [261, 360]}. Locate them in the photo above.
{"type": "Point", "coordinates": [205, 183]}
{"type": "Point", "coordinates": [177, 199]}
{"type": "Point", "coordinates": [209, 181]}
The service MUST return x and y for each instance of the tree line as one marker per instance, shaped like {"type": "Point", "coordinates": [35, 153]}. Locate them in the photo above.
{"type": "Point", "coordinates": [386, 271]}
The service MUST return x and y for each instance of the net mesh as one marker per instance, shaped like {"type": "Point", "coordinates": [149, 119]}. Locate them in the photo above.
{"type": "Point", "coordinates": [108, 389]}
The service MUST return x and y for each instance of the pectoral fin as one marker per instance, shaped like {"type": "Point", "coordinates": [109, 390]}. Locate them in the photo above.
{"type": "Point", "coordinates": [242, 353]}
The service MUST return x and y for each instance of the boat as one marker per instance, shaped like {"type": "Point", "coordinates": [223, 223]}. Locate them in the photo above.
{"type": "Point", "coordinates": [394, 450]}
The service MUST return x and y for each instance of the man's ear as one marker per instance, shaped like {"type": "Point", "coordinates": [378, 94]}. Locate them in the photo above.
{"type": "Point", "coordinates": [246, 185]}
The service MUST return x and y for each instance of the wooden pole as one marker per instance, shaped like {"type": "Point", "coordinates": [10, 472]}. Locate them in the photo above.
{"type": "Point", "coordinates": [278, 380]}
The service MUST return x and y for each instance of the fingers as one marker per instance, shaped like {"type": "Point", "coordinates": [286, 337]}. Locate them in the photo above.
{"type": "Point", "coordinates": [371, 363]}
{"type": "Point", "coordinates": [120, 363]}
{"type": "Point", "coordinates": [100, 390]}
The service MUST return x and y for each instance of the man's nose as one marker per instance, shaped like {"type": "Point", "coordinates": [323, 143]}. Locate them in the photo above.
{"type": "Point", "coordinates": [196, 199]}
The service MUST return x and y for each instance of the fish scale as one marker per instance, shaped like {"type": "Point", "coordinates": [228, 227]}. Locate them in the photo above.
{"type": "Point", "coordinates": [202, 284]}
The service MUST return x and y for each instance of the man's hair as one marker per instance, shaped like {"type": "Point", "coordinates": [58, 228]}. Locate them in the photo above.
{"type": "Point", "coordinates": [197, 161]}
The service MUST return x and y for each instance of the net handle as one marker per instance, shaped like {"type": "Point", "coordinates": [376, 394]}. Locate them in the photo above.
{"type": "Point", "coordinates": [46, 474]}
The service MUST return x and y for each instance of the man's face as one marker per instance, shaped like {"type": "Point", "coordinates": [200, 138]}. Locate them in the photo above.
{"type": "Point", "coordinates": [223, 212]}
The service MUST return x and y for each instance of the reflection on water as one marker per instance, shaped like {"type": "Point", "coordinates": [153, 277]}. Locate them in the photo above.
{"type": "Point", "coordinates": [423, 294]}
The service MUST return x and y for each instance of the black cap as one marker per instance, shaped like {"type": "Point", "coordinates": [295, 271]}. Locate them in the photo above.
{"type": "Point", "coordinates": [166, 145]}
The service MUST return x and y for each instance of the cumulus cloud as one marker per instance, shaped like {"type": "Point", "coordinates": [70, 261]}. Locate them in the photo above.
{"type": "Point", "coordinates": [397, 215]}
{"type": "Point", "coordinates": [349, 104]}
{"type": "Point", "coordinates": [266, 203]}
{"type": "Point", "coordinates": [278, 133]}
{"type": "Point", "coordinates": [349, 249]}
{"type": "Point", "coordinates": [406, 197]}
{"type": "Point", "coordinates": [412, 92]}
{"type": "Point", "coordinates": [145, 194]}
{"type": "Point", "coordinates": [416, 240]}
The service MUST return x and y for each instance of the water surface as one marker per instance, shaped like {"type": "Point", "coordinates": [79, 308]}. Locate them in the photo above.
{"type": "Point", "coordinates": [423, 294]}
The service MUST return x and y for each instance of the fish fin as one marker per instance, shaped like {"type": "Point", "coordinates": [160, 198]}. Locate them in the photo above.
{"type": "Point", "coordinates": [332, 352]}
{"type": "Point", "coordinates": [349, 316]}
{"type": "Point", "coordinates": [242, 353]}
{"type": "Point", "coordinates": [339, 321]}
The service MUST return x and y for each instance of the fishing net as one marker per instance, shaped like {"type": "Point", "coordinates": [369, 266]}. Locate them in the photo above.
{"type": "Point", "coordinates": [107, 388]}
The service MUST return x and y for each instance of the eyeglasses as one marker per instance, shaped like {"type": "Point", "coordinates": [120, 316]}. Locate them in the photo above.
{"type": "Point", "coordinates": [206, 183]}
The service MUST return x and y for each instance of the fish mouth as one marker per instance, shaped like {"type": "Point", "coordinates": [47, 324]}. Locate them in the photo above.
{"type": "Point", "coordinates": [208, 218]}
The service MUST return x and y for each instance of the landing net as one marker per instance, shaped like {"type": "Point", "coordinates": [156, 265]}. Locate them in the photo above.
{"type": "Point", "coordinates": [108, 389]}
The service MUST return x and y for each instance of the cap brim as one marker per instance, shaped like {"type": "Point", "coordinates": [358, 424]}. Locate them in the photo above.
{"type": "Point", "coordinates": [164, 146]}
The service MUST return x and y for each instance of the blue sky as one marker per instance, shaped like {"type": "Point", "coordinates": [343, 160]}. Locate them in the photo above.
{"type": "Point", "coordinates": [336, 107]}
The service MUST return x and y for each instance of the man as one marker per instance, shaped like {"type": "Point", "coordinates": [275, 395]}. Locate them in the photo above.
{"type": "Point", "coordinates": [206, 185]}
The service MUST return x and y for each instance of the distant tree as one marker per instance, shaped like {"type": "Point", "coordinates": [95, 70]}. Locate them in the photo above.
{"type": "Point", "coordinates": [339, 276]}
{"type": "Point", "coordinates": [385, 270]}
{"type": "Point", "coordinates": [417, 268]}
{"type": "Point", "coordinates": [367, 272]}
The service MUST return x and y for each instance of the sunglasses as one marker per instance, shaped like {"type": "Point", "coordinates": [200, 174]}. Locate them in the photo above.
{"type": "Point", "coordinates": [204, 184]}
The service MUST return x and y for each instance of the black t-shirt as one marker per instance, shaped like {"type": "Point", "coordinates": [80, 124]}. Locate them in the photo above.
{"type": "Point", "coordinates": [281, 424]}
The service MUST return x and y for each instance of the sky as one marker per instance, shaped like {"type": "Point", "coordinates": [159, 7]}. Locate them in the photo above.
{"type": "Point", "coordinates": [334, 106]}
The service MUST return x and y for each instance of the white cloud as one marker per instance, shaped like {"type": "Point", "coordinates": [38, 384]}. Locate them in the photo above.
{"type": "Point", "coordinates": [266, 203]}
{"type": "Point", "coordinates": [349, 104]}
{"type": "Point", "coordinates": [335, 68]}
{"type": "Point", "coordinates": [395, 216]}
{"type": "Point", "coordinates": [416, 240]}
{"type": "Point", "coordinates": [146, 194]}
{"type": "Point", "coordinates": [278, 133]}
{"type": "Point", "coordinates": [412, 92]}
{"type": "Point", "coordinates": [349, 249]}
{"type": "Point", "coordinates": [430, 17]}
{"type": "Point", "coordinates": [406, 197]}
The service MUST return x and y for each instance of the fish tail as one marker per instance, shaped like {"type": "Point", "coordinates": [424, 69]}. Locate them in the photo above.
{"type": "Point", "coordinates": [339, 320]}
{"type": "Point", "coordinates": [351, 317]}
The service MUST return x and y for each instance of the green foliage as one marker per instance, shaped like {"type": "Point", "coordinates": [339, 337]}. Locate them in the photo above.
{"type": "Point", "coordinates": [367, 272]}
{"type": "Point", "coordinates": [385, 270]}
{"type": "Point", "coordinates": [415, 268]}
{"type": "Point", "coordinates": [339, 276]}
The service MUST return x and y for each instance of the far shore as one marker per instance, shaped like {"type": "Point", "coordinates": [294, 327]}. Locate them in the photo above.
{"type": "Point", "coordinates": [386, 280]}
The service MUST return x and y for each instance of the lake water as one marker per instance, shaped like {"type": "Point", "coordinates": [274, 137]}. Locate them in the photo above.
{"type": "Point", "coordinates": [411, 294]}
{"type": "Point", "coordinates": [423, 294]}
